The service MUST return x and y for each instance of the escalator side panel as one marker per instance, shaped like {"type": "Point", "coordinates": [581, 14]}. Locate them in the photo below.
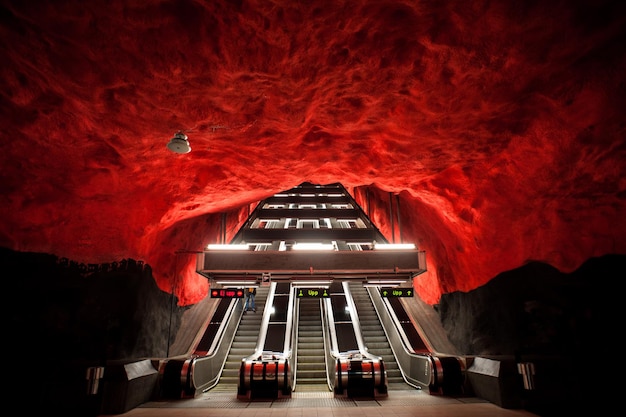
{"type": "Point", "coordinates": [346, 339]}
{"type": "Point", "coordinates": [413, 336]}
{"type": "Point", "coordinates": [275, 338]}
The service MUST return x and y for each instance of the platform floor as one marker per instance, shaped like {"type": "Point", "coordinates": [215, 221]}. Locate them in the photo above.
{"type": "Point", "coordinates": [406, 403]}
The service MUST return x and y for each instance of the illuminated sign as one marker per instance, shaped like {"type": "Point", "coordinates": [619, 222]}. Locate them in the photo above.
{"type": "Point", "coordinates": [312, 293]}
{"type": "Point", "coordinates": [227, 293]}
{"type": "Point", "coordinates": [396, 292]}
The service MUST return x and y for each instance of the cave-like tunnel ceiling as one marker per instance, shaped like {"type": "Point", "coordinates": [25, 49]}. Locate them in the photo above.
{"type": "Point", "coordinates": [499, 125]}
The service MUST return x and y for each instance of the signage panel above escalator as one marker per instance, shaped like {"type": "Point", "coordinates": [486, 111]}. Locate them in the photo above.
{"type": "Point", "coordinates": [227, 293]}
{"type": "Point", "coordinates": [396, 292]}
{"type": "Point", "coordinates": [312, 293]}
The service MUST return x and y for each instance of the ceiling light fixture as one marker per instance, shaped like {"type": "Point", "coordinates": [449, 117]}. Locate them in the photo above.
{"type": "Point", "coordinates": [394, 246]}
{"type": "Point", "coordinates": [179, 143]}
{"type": "Point", "coordinates": [237, 283]}
{"type": "Point", "coordinates": [313, 246]}
{"type": "Point", "coordinates": [218, 246]}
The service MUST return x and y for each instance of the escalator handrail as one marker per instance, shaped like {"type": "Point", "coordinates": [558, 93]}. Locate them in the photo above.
{"type": "Point", "coordinates": [290, 338]}
{"type": "Point", "coordinates": [217, 340]}
{"type": "Point", "coordinates": [398, 342]}
{"type": "Point", "coordinates": [327, 354]}
{"type": "Point", "coordinates": [333, 347]}
{"type": "Point", "coordinates": [294, 338]}
{"type": "Point", "coordinates": [227, 327]}
{"type": "Point", "coordinates": [331, 352]}
{"type": "Point", "coordinates": [259, 352]}
{"type": "Point", "coordinates": [356, 325]}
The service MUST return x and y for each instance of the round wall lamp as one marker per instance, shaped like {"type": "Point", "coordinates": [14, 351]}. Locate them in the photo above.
{"type": "Point", "coordinates": [179, 143]}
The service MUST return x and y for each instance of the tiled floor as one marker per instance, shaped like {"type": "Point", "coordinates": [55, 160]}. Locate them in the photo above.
{"type": "Point", "coordinates": [315, 404]}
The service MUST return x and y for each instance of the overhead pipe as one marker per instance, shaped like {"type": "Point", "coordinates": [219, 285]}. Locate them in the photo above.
{"type": "Point", "coordinates": [398, 216]}
{"type": "Point", "coordinates": [391, 222]}
{"type": "Point", "coordinates": [223, 227]}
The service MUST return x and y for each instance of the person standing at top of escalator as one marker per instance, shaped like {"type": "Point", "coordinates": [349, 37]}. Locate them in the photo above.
{"type": "Point", "coordinates": [249, 305]}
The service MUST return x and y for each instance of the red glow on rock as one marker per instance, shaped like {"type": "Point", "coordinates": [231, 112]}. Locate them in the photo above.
{"type": "Point", "coordinates": [495, 128]}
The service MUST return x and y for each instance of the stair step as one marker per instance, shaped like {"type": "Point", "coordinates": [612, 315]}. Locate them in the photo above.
{"type": "Point", "coordinates": [303, 340]}
{"type": "Point", "coordinates": [312, 360]}
{"type": "Point", "coordinates": [321, 374]}
{"type": "Point", "coordinates": [310, 381]}
{"type": "Point", "coordinates": [310, 366]}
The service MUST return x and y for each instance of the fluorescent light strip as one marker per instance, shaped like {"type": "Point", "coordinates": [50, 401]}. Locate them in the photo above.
{"type": "Point", "coordinates": [386, 284]}
{"type": "Point", "coordinates": [300, 283]}
{"type": "Point", "coordinates": [313, 246]}
{"type": "Point", "coordinates": [238, 283]}
{"type": "Point", "coordinates": [215, 246]}
{"type": "Point", "coordinates": [392, 246]}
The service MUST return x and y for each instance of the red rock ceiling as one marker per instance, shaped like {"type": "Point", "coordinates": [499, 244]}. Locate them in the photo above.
{"type": "Point", "coordinates": [499, 124]}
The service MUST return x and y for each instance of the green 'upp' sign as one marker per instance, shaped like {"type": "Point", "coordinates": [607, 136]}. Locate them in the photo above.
{"type": "Point", "coordinates": [396, 292]}
{"type": "Point", "coordinates": [312, 292]}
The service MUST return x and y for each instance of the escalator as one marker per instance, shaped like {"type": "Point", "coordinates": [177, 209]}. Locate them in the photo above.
{"type": "Point", "coordinates": [310, 370]}
{"type": "Point", "coordinates": [244, 343]}
{"type": "Point", "coordinates": [374, 348]}
{"type": "Point", "coordinates": [374, 336]}
{"type": "Point", "coordinates": [247, 353]}
{"type": "Point", "coordinates": [421, 368]}
{"type": "Point", "coordinates": [358, 373]}
{"type": "Point", "coordinates": [266, 372]}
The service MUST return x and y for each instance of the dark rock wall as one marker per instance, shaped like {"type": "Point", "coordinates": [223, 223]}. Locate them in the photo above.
{"type": "Point", "coordinates": [536, 309]}
{"type": "Point", "coordinates": [90, 313]}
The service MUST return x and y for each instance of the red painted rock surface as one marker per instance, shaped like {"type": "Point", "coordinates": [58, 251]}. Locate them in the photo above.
{"type": "Point", "coordinates": [500, 125]}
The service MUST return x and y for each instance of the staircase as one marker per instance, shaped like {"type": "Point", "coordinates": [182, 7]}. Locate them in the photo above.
{"type": "Point", "coordinates": [311, 365]}
{"type": "Point", "coordinates": [244, 343]}
{"type": "Point", "coordinates": [374, 335]}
